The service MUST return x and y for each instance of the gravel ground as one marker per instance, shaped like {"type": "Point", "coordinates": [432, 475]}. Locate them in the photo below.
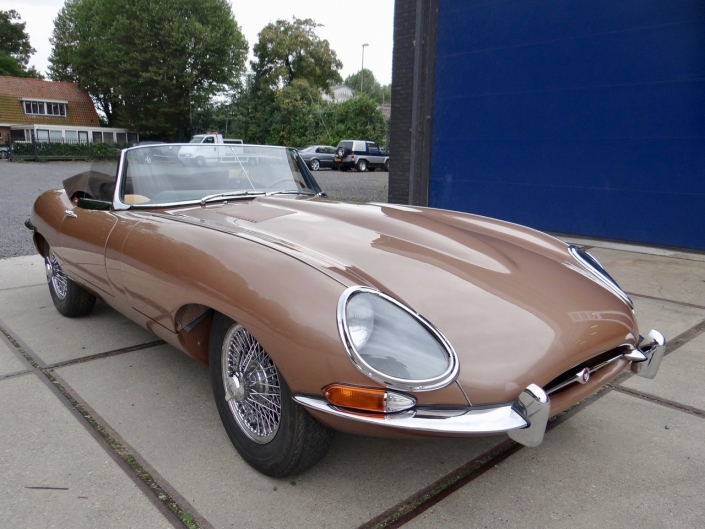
{"type": "Point", "coordinates": [22, 183]}
{"type": "Point", "coordinates": [352, 186]}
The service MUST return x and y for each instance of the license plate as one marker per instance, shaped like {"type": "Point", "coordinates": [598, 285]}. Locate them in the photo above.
{"type": "Point", "coordinates": [338, 160]}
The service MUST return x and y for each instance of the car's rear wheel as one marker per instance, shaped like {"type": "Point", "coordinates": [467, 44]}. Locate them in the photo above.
{"type": "Point", "coordinates": [69, 298]}
{"type": "Point", "coordinates": [386, 166]}
{"type": "Point", "coordinates": [271, 432]}
{"type": "Point", "coordinates": [200, 161]}
{"type": "Point", "coordinates": [362, 166]}
{"type": "Point", "coordinates": [315, 165]}
{"type": "Point", "coordinates": [4, 155]}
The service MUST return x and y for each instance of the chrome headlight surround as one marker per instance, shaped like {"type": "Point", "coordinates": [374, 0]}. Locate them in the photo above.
{"type": "Point", "coordinates": [429, 384]}
{"type": "Point", "coordinates": [592, 265]}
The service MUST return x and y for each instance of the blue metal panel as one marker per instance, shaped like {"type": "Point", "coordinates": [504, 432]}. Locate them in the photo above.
{"type": "Point", "coordinates": [581, 116]}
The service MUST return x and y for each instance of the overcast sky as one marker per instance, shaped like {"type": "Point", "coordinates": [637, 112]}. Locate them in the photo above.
{"type": "Point", "coordinates": [346, 26]}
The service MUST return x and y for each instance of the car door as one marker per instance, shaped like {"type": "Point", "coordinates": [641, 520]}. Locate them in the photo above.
{"type": "Point", "coordinates": [84, 233]}
{"type": "Point", "coordinates": [375, 158]}
{"type": "Point", "coordinates": [324, 158]}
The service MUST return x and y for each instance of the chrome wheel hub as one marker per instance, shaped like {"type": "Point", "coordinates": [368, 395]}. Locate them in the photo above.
{"type": "Point", "coordinates": [56, 276]}
{"type": "Point", "coordinates": [251, 385]}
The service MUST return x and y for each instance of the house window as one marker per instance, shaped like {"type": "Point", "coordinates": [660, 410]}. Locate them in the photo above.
{"type": "Point", "coordinates": [82, 136]}
{"type": "Point", "coordinates": [97, 136]}
{"type": "Point", "coordinates": [55, 135]}
{"type": "Point", "coordinates": [18, 135]}
{"type": "Point", "coordinates": [121, 137]}
{"type": "Point", "coordinates": [42, 108]}
{"type": "Point", "coordinates": [42, 135]}
{"type": "Point", "coordinates": [71, 136]}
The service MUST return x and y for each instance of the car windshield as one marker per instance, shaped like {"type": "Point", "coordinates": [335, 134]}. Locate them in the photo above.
{"type": "Point", "coordinates": [157, 175]}
{"type": "Point", "coordinates": [196, 139]}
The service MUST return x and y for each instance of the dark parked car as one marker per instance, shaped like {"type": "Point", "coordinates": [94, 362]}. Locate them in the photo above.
{"type": "Point", "coordinates": [317, 156]}
{"type": "Point", "coordinates": [5, 153]}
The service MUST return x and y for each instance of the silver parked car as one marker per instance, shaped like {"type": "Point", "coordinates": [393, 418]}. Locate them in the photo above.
{"type": "Point", "coordinates": [318, 156]}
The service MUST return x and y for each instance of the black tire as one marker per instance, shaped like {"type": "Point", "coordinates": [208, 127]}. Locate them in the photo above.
{"type": "Point", "coordinates": [315, 164]}
{"type": "Point", "coordinates": [297, 443]}
{"type": "Point", "coordinates": [361, 166]}
{"type": "Point", "coordinates": [342, 152]}
{"type": "Point", "coordinates": [4, 155]}
{"type": "Point", "coordinates": [69, 298]}
{"type": "Point", "coordinates": [343, 168]}
{"type": "Point", "coordinates": [386, 166]}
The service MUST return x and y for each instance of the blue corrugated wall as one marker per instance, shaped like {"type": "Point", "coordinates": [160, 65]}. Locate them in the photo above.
{"type": "Point", "coordinates": [576, 116]}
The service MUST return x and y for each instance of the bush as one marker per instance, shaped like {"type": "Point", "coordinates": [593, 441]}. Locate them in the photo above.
{"type": "Point", "coordinates": [104, 151]}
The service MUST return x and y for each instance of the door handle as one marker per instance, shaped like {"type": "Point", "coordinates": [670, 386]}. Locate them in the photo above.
{"type": "Point", "coordinates": [69, 213]}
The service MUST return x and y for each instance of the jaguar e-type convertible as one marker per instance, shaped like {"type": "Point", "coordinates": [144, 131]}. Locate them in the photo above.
{"type": "Point", "coordinates": [318, 315]}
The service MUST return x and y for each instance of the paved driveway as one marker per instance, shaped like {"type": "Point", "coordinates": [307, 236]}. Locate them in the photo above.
{"type": "Point", "coordinates": [102, 425]}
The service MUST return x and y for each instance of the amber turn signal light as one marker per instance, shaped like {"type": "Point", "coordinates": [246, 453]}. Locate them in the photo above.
{"type": "Point", "coordinates": [367, 399]}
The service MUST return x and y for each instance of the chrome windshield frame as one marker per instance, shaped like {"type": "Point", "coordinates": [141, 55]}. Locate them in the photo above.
{"type": "Point", "coordinates": [119, 205]}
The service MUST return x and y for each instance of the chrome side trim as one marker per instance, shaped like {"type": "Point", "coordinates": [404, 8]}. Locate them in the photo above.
{"type": "Point", "coordinates": [444, 379]}
{"type": "Point", "coordinates": [583, 258]}
{"type": "Point", "coordinates": [653, 347]}
{"type": "Point", "coordinates": [533, 404]}
{"type": "Point", "coordinates": [524, 420]}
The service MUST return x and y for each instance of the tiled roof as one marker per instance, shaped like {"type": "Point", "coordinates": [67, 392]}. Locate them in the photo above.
{"type": "Point", "coordinates": [79, 111]}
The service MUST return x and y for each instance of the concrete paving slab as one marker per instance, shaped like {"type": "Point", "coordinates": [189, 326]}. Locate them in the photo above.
{"type": "Point", "coordinates": [22, 271]}
{"type": "Point", "coordinates": [693, 255]}
{"type": "Point", "coordinates": [9, 363]}
{"type": "Point", "coordinates": [652, 275]}
{"type": "Point", "coordinates": [612, 465]}
{"type": "Point", "coordinates": [160, 402]}
{"type": "Point", "coordinates": [680, 377]}
{"type": "Point", "coordinates": [670, 319]}
{"type": "Point", "coordinates": [30, 313]}
{"type": "Point", "coordinates": [43, 445]}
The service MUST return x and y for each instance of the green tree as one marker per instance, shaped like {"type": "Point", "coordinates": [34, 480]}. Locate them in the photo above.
{"type": "Point", "coordinates": [370, 86]}
{"type": "Point", "coordinates": [357, 119]}
{"type": "Point", "coordinates": [15, 49]}
{"type": "Point", "coordinates": [287, 51]}
{"type": "Point", "coordinates": [149, 65]}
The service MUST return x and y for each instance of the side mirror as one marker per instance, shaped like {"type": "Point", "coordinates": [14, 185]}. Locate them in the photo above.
{"type": "Point", "coordinates": [95, 205]}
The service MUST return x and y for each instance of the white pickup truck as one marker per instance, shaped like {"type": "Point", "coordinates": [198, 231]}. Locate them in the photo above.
{"type": "Point", "coordinates": [211, 148]}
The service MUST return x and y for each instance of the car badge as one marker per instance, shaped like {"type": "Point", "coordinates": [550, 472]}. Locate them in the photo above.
{"type": "Point", "coordinates": [583, 375]}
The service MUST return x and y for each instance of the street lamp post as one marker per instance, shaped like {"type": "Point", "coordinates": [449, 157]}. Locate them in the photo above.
{"type": "Point", "coordinates": [362, 70]}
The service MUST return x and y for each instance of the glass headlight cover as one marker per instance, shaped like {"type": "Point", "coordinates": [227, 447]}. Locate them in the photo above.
{"type": "Point", "coordinates": [592, 265]}
{"type": "Point", "coordinates": [392, 344]}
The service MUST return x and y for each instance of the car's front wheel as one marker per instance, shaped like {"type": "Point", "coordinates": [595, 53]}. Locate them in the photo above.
{"type": "Point", "coordinates": [272, 433]}
{"type": "Point", "coordinates": [69, 298]}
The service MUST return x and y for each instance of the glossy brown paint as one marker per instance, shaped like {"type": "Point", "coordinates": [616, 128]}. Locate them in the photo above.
{"type": "Point", "coordinates": [510, 300]}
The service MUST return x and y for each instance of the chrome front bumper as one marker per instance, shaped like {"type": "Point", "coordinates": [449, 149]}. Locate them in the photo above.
{"type": "Point", "coordinates": [524, 420]}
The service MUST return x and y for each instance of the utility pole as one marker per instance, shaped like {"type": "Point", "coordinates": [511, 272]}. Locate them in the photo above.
{"type": "Point", "coordinates": [362, 70]}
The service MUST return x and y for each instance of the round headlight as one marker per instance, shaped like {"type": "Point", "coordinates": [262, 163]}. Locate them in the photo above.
{"type": "Point", "coordinates": [361, 320]}
{"type": "Point", "coordinates": [392, 344]}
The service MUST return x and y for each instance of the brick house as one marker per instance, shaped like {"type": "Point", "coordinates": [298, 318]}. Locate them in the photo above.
{"type": "Point", "coordinates": [51, 111]}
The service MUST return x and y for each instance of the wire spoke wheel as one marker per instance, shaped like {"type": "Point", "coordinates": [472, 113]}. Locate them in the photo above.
{"type": "Point", "coordinates": [56, 276]}
{"type": "Point", "coordinates": [251, 385]}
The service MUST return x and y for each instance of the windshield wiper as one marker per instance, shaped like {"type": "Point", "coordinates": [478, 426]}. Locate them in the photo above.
{"type": "Point", "coordinates": [231, 194]}
{"type": "Point", "coordinates": [290, 192]}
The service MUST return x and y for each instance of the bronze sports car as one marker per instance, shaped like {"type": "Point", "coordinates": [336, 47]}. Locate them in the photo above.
{"type": "Point", "coordinates": [318, 315]}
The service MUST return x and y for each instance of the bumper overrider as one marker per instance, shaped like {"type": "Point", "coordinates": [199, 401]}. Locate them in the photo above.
{"type": "Point", "coordinates": [523, 420]}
